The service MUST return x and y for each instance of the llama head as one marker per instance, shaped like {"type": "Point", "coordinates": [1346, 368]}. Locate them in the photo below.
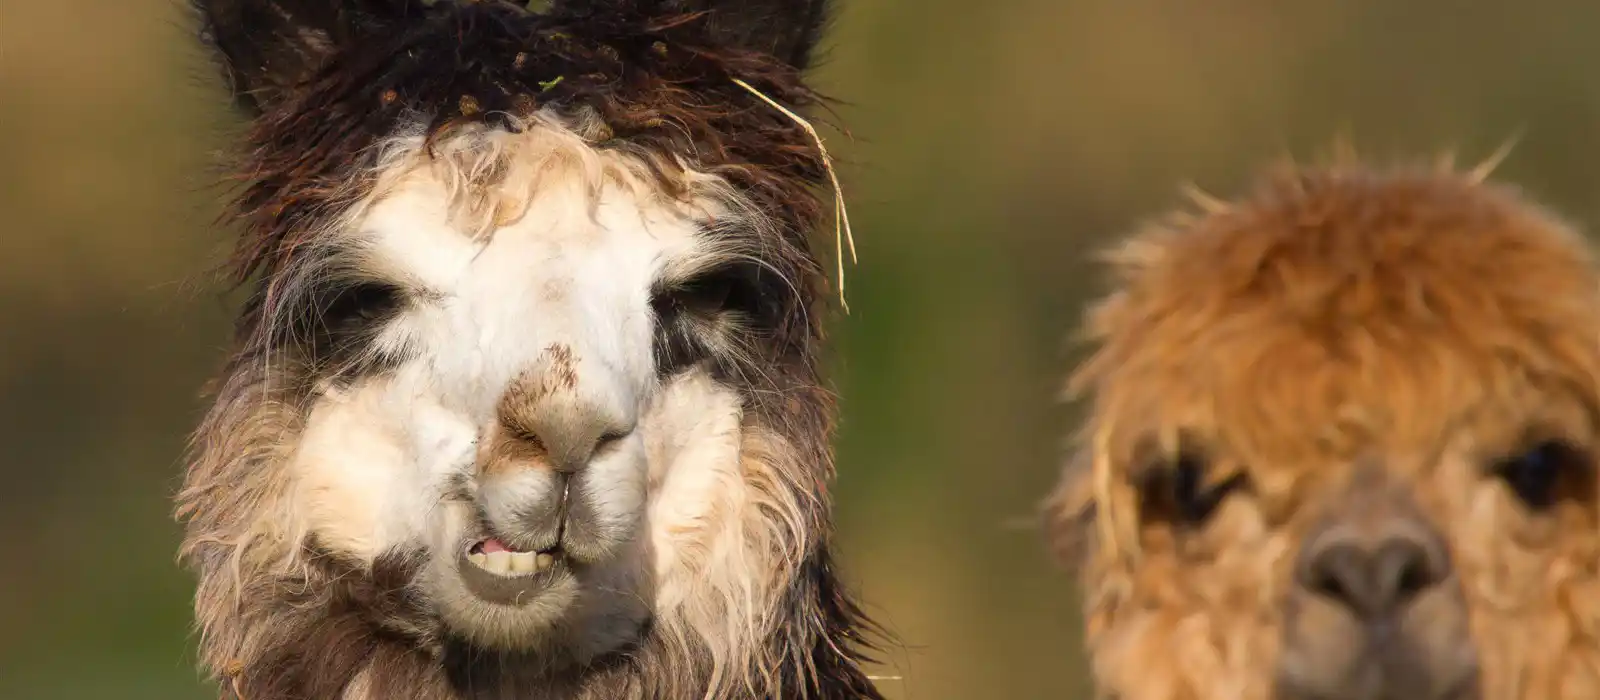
{"type": "Point", "coordinates": [532, 339]}
{"type": "Point", "coordinates": [1341, 445]}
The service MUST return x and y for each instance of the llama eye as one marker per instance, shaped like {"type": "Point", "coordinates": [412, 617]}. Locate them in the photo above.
{"type": "Point", "coordinates": [731, 288]}
{"type": "Point", "coordinates": [1535, 474]}
{"type": "Point", "coordinates": [715, 314]}
{"type": "Point", "coordinates": [709, 293]}
{"type": "Point", "coordinates": [1186, 479]}
{"type": "Point", "coordinates": [1178, 492]}
{"type": "Point", "coordinates": [334, 324]}
{"type": "Point", "coordinates": [359, 303]}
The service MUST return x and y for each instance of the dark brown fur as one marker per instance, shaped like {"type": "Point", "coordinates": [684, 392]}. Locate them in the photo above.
{"type": "Point", "coordinates": [656, 77]}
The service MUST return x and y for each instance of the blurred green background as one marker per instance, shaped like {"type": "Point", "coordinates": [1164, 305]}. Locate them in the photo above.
{"type": "Point", "coordinates": [994, 145]}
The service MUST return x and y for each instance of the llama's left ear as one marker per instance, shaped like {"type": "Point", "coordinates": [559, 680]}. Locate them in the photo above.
{"type": "Point", "coordinates": [270, 47]}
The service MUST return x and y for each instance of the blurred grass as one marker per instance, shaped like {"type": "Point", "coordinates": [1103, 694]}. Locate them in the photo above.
{"type": "Point", "coordinates": [995, 145]}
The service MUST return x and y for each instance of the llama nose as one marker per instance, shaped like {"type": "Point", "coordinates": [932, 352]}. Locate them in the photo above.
{"type": "Point", "coordinates": [567, 429]}
{"type": "Point", "coordinates": [569, 438]}
{"type": "Point", "coordinates": [1372, 579]}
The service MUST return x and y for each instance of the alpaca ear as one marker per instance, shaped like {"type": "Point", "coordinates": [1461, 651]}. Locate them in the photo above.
{"type": "Point", "coordinates": [270, 47]}
{"type": "Point", "coordinates": [787, 29]}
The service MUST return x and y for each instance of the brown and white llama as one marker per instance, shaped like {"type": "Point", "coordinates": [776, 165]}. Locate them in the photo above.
{"type": "Point", "coordinates": [1343, 445]}
{"type": "Point", "coordinates": [525, 400]}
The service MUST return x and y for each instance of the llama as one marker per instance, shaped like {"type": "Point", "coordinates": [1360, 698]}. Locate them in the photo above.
{"type": "Point", "coordinates": [525, 400]}
{"type": "Point", "coordinates": [1341, 445]}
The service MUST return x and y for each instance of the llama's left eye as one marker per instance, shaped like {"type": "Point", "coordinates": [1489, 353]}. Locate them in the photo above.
{"type": "Point", "coordinates": [731, 288]}
{"type": "Point", "coordinates": [1536, 473]}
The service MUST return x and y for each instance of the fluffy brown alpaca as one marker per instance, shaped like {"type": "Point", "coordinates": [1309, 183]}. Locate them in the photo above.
{"type": "Point", "coordinates": [525, 401]}
{"type": "Point", "coordinates": [1342, 445]}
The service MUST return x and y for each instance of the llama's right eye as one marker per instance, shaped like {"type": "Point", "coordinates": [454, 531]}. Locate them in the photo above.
{"type": "Point", "coordinates": [334, 325]}
{"type": "Point", "coordinates": [359, 303]}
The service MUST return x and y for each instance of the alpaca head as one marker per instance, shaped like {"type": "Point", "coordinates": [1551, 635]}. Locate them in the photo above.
{"type": "Point", "coordinates": [1342, 445]}
{"type": "Point", "coordinates": [528, 371]}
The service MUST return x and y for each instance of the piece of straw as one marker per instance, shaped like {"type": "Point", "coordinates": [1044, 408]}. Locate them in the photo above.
{"type": "Point", "coordinates": [1209, 203]}
{"type": "Point", "coordinates": [1481, 171]}
{"type": "Point", "coordinates": [841, 217]}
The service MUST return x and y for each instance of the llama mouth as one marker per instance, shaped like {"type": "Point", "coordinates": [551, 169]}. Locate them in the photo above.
{"type": "Point", "coordinates": [496, 573]}
{"type": "Point", "coordinates": [495, 557]}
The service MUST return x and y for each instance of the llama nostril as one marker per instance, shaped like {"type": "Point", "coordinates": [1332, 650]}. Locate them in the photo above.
{"type": "Point", "coordinates": [579, 455]}
{"type": "Point", "coordinates": [1372, 581]}
{"type": "Point", "coordinates": [1404, 570]}
{"type": "Point", "coordinates": [1337, 574]}
{"type": "Point", "coordinates": [609, 441]}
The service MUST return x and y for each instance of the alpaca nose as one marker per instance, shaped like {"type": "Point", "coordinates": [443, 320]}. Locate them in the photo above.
{"type": "Point", "coordinates": [565, 411]}
{"type": "Point", "coordinates": [569, 435]}
{"type": "Point", "coordinates": [1372, 578]}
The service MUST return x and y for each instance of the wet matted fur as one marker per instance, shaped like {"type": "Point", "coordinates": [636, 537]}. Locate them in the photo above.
{"type": "Point", "coordinates": [1407, 355]}
{"type": "Point", "coordinates": [376, 113]}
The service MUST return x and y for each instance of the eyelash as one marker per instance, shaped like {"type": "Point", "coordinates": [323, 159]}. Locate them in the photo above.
{"type": "Point", "coordinates": [1537, 474]}
{"type": "Point", "coordinates": [333, 324]}
{"type": "Point", "coordinates": [734, 288]}
{"type": "Point", "coordinates": [689, 314]}
{"type": "Point", "coordinates": [1176, 491]}
{"type": "Point", "coordinates": [360, 303]}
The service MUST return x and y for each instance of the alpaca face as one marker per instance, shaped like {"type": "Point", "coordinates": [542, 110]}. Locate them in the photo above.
{"type": "Point", "coordinates": [525, 397]}
{"type": "Point", "coordinates": [513, 401]}
{"type": "Point", "coordinates": [1343, 447]}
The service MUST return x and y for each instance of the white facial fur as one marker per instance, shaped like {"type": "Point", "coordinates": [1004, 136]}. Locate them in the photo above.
{"type": "Point", "coordinates": [552, 301]}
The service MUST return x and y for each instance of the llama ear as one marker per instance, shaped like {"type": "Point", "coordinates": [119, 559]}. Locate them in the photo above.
{"type": "Point", "coordinates": [269, 47]}
{"type": "Point", "coordinates": [787, 29]}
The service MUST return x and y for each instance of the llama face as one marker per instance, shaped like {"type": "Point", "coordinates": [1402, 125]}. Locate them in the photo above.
{"type": "Point", "coordinates": [525, 397]}
{"type": "Point", "coordinates": [1343, 446]}
{"type": "Point", "coordinates": [490, 390]}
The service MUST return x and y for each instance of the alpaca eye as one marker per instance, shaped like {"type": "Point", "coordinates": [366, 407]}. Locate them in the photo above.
{"type": "Point", "coordinates": [1535, 474]}
{"type": "Point", "coordinates": [358, 303]}
{"type": "Point", "coordinates": [334, 324]}
{"type": "Point", "coordinates": [1178, 491]}
{"type": "Point", "coordinates": [699, 318]}
{"type": "Point", "coordinates": [731, 288]}
{"type": "Point", "coordinates": [1186, 493]}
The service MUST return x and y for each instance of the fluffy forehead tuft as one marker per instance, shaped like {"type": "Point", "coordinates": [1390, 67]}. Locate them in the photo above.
{"type": "Point", "coordinates": [487, 178]}
{"type": "Point", "coordinates": [1341, 308]}
{"type": "Point", "coordinates": [642, 78]}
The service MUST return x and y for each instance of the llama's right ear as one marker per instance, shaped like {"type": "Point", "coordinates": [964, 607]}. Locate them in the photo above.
{"type": "Point", "coordinates": [270, 47]}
